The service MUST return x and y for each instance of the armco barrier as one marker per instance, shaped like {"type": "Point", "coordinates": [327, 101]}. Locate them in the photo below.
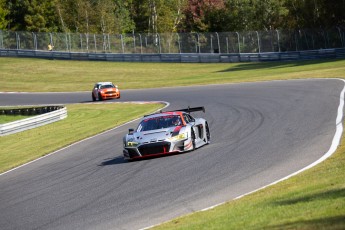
{"type": "Point", "coordinates": [52, 114]}
{"type": "Point", "coordinates": [182, 57]}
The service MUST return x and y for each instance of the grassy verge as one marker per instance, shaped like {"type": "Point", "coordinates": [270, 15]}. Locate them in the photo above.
{"type": "Point", "coordinates": [83, 121]}
{"type": "Point", "coordinates": [314, 199]}
{"type": "Point", "coordinates": [28, 75]}
{"type": "Point", "coordinates": [9, 118]}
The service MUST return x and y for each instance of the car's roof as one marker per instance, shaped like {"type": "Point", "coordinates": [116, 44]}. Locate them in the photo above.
{"type": "Point", "coordinates": [104, 83]}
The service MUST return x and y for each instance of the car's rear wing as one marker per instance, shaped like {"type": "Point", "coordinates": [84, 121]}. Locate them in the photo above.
{"type": "Point", "coordinates": [189, 109]}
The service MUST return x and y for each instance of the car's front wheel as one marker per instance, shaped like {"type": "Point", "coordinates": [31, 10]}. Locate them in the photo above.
{"type": "Point", "coordinates": [93, 97]}
{"type": "Point", "coordinates": [100, 97]}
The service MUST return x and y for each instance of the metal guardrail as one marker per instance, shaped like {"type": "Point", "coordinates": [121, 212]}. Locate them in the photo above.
{"type": "Point", "coordinates": [177, 43]}
{"type": "Point", "coordinates": [180, 58]}
{"type": "Point", "coordinates": [50, 116]}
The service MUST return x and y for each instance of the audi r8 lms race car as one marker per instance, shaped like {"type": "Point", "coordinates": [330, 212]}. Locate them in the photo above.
{"type": "Point", "coordinates": [105, 90]}
{"type": "Point", "coordinates": [166, 133]}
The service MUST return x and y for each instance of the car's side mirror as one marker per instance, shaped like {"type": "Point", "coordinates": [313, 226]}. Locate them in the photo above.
{"type": "Point", "coordinates": [130, 131]}
{"type": "Point", "coordinates": [116, 86]}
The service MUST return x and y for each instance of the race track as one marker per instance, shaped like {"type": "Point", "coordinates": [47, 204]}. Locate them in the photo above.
{"type": "Point", "coordinates": [261, 132]}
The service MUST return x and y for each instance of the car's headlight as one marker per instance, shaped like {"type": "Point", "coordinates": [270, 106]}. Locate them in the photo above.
{"type": "Point", "coordinates": [181, 136]}
{"type": "Point", "coordinates": [132, 144]}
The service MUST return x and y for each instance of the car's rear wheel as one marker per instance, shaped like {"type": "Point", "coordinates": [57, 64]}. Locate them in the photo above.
{"type": "Point", "coordinates": [208, 134]}
{"type": "Point", "coordinates": [193, 140]}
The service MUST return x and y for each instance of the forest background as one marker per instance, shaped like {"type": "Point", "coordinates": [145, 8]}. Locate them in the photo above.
{"type": "Point", "coordinates": [161, 16]}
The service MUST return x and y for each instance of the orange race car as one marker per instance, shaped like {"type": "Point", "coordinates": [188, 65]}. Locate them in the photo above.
{"type": "Point", "coordinates": [105, 90]}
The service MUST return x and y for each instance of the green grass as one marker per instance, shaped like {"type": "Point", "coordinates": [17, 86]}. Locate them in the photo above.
{"type": "Point", "coordinates": [83, 120]}
{"type": "Point", "coordinates": [314, 199]}
{"type": "Point", "coordinates": [9, 118]}
{"type": "Point", "coordinates": [36, 75]}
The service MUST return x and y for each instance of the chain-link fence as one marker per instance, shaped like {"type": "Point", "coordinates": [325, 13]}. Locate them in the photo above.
{"type": "Point", "coordinates": [225, 42]}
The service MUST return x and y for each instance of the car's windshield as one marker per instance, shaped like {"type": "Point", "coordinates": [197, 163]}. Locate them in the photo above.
{"type": "Point", "coordinates": [106, 86]}
{"type": "Point", "coordinates": [161, 122]}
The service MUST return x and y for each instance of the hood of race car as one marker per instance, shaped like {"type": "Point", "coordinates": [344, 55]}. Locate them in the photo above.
{"type": "Point", "coordinates": [156, 135]}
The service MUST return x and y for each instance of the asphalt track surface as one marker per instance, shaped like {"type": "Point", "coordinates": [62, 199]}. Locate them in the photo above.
{"type": "Point", "coordinates": [260, 133]}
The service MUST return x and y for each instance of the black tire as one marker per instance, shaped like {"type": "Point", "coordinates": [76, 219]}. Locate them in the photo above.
{"type": "Point", "coordinates": [93, 98]}
{"type": "Point", "coordinates": [100, 97]}
{"type": "Point", "coordinates": [193, 140]}
{"type": "Point", "coordinates": [208, 134]}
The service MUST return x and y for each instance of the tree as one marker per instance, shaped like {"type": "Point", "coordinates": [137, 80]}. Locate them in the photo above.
{"type": "Point", "coordinates": [206, 15]}
{"type": "Point", "coordinates": [3, 14]}
{"type": "Point", "coordinates": [170, 15]}
{"type": "Point", "coordinates": [158, 16]}
{"type": "Point", "coordinates": [322, 13]}
{"type": "Point", "coordinates": [268, 14]}
{"type": "Point", "coordinates": [333, 13]}
{"type": "Point", "coordinates": [40, 16]}
{"type": "Point", "coordinates": [32, 15]}
{"type": "Point", "coordinates": [123, 20]}
{"type": "Point", "coordinates": [315, 13]}
{"type": "Point", "coordinates": [16, 16]}
{"type": "Point", "coordinates": [194, 15]}
{"type": "Point", "coordinates": [95, 16]}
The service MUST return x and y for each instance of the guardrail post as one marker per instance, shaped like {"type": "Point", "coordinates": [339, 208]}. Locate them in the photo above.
{"type": "Point", "coordinates": [123, 48]}
{"type": "Point", "coordinates": [179, 44]}
{"type": "Point", "coordinates": [341, 37]}
{"type": "Point", "coordinates": [278, 40]}
{"type": "Point", "coordinates": [35, 40]}
{"type": "Point", "coordinates": [87, 41]}
{"type": "Point", "coordinates": [68, 42]}
{"type": "Point", "coordinates": [306, 40]}
{"type": "Point", "coordinates": [81, 41]}
{"type": "Point", "coordinates": [51, 38]}
{"type": "Point", "coordinates": [95, 42]}
{"type": "Point", "coordinates": [238, 41]}
{"type": "Point", "coordinates": [159, 42]}
{"type": "Point", "coordinates": [257, 34]}
{"type": "Point", "coordinates": [326, 38]}
{"type": "Point", "coordinates": [17, 41]}
{"type": "Point", "coordinates": [197, 44]}
{"type": "Point", "coordinates": [219, 51]}
{"type": "Point", "coordinates": [134, 46]}
{"type": "Point", "coordinates": [169, 44]}
{"type": "Point", "coordinates": [141, 44]}
{"type": "Point", "coordinates": [109, 43]}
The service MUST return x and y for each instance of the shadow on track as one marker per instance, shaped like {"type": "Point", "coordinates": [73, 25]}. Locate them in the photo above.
{"type": "Point", "coordinates": [113, 161]}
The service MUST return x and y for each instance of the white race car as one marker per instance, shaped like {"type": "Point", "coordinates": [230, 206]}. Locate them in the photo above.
{"type": "Point", "coordinates": [166, 133]}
